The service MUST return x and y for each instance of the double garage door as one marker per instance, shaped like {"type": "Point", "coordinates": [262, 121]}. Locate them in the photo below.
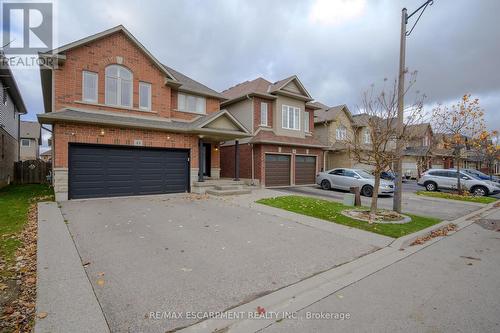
{"type": "Point", "coordinates": [108, 171]}
{"type": "Point", "coordinates": [278, 170]}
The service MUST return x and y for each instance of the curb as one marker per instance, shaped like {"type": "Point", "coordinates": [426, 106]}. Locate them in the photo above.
{"type": "Point", "coordinates": [461, 222]}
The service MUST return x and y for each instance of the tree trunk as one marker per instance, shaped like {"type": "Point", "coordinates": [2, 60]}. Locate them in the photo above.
{"type": "Point", "coordinates": [459, 185]}
{"type": "Point", "coordinates": [373, 206]}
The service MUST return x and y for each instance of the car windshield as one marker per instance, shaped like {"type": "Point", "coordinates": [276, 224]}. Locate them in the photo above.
{"type": "Point", "coordinates": [472, 175]}
{"type": "Point", "coordinates": [476, 173]}
{"type": "Point", "coordinates": [364, 174]}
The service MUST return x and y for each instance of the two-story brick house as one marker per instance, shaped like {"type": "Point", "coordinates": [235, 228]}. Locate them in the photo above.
{"type": "Point", "coordinates": [125, 124]}
{"type": "Point", "coordinates": [11, 108]}
{"type": "Point", "coordinates": [280, 116]}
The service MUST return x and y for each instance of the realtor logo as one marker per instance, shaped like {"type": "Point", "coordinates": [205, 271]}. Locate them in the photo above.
{"type": "Point", "coordinates": [27, 27]}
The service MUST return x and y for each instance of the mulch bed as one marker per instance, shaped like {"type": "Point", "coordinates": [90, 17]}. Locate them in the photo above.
{"type": "Point", "coordinates": [19, 292]}
{"type": "Point", "coordinates": [435, 233]}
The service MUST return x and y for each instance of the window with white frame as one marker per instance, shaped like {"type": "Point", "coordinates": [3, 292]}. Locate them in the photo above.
{"type": "Point", "coordinates": [191, 103]}
{"type": "Point", "coordinates": [426, 141]}
{"type": "Point", "coordinates": [290, 117]}
{"type": "Point", "coordinates": [25, 142]}
{"type": "Point", "coordinates": [341, 132]}
{"type": "Point", "coordinates": [119, 89]}
{"type": "Point", "coordinates": [367, 139]}
{"type": "Point", "coordinates": [89, 86]}
{"type": "Point", "coordinates": [263, 114]}
{"type": "Point", "coordinates": [306, 122]}
{"type": "Point", "coordinates": [144, 96]}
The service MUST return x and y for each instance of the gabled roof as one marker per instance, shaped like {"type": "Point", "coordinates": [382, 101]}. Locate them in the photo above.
{"type": "Point", "coordinates": [200, 125]}
{"type": "Point", "coordinates": [263, 88]}
{"type": "Point", "coordinates": [418, 130]}
{"type": "Point", "coordinates": [331, 114]}
{"type": "Point", "coordinates": [317, 105]}
{"type": "Point", "coordinates": [417, 151]}
{"type": "Point", "coordinates": [105, 33]}
{"type": "Point", "coordinates": [9, 83]}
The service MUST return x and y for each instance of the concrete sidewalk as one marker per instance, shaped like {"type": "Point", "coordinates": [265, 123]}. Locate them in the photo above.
{"type": "Point", "coordinates": [63, 289]}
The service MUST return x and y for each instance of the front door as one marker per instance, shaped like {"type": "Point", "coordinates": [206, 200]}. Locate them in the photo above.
{"type": "Point", "coordinates": [207, 154]}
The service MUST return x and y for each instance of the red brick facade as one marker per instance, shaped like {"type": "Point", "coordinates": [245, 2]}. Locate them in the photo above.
{"type": "Point", "coordinates": [256, 111]}
{"type": "Point", "coordinates": [117, 48]}
{"type": "Point", "coordinates": [259, 156]}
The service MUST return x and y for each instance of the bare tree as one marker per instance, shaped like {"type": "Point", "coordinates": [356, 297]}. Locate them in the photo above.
{"type": "Point", "coordinates": [380, 109]}
{"type": "Point", "coordinates": [462, 123]}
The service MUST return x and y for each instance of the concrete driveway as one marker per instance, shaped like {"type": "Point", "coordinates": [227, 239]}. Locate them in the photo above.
{"type": "Point", "coordinates": [181, 253]}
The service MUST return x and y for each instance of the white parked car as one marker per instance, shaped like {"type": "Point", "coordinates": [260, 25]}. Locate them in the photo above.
{"type": "Point", "coordinates": [435, 179]}
{"type": "Point", "coordinates": [344, 179]}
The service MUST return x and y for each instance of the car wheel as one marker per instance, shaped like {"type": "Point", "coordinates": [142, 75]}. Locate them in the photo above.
{"type": "Point", "coordinates": [479, 191]}
{"type": "Point", "coordinates": [430, 186]}
{"type": "Point", "coordinates": [367, 191]}
{"type": "Point", "coordinates": [325, 184]}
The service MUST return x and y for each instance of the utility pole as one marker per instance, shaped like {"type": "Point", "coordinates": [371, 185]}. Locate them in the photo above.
{"type": "Point", "coordinates": [398, 191]}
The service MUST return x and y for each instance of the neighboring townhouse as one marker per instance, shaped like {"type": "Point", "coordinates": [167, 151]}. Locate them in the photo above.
{"type": "Point", "coordinates": [279, 115]}
{"type": "Point", "coordinates": [442, 155]}
{"type": "Point", "coordinates": [417, 156]}
{"type": "Point", "coordinates": [30, 140]}
{"type": "Point", "coordinates": [125, 124]}
{"type": "Point", "coordinates": [46, 156]}
{"type": "Point", "coordinates": [334, 127]}
{"type": "Point", "coordinates": [11, 107]}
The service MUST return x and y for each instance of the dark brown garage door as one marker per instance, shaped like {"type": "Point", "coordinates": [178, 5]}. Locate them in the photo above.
{"type": "Point", "coordinates": [277, 170]}
{"type": "Point", "coordinates": [305, 170]}
{"type": "Point", "coordinates": [108, 171]}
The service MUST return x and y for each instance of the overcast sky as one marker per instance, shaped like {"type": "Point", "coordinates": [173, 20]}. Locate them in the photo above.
{"type": "Point", "coordinates": [338, 48]}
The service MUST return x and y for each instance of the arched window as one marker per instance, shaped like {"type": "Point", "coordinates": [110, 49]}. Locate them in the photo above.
{"type": "Point", "coordinates": [118, 86]}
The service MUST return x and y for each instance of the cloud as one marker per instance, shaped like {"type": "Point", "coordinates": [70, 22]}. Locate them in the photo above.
{"type": "Point", "coordinates": [337, 48]}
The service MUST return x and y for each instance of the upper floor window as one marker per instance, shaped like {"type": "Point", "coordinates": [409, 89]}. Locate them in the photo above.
{"type": "Point", "coordinates": [89, 86]}
{"type": "Point", "coordinates": [263, 114]}
{"type": "Point", "coordinates": [341, 132]}
{"type": "Point", "coordinates": [144, 96]}
{"type": "Point", "coordinates": [191, 103]}
{"type": "Point", "coordinates": [290, 117]}
{"type": "Point", "coordinates": [306, 122]}
{"type": "Point", "coordinates": [118, 86]}
{"type": "Point", "coordinates": [426, 141]}
{"type": "Point", "coordinates": [367, 139]}
{"type": "Point", "coordinates": [25, 142]}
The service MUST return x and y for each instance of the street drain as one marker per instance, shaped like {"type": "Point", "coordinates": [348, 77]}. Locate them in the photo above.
{"type": "Point", "coordinates": [489, 224]}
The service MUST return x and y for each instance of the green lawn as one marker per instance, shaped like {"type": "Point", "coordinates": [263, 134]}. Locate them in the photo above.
{"type": "Point", "coordinates": [330, 211]}
{"type": "Point", "coordinates": [453, 196]}
{"type": "Point", "coordinates": [14, 203]}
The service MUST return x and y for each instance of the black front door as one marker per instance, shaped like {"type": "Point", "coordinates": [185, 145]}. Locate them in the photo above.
{"type": "Point", "coordinates": [207, 153]}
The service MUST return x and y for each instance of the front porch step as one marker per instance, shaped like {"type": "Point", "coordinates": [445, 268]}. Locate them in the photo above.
{"type": "Point", "coordinates": [227, 187]}
{"type": "Point", "coordinates": [228, 191]}
{"type": "Point", "coordinates": [211, 183]}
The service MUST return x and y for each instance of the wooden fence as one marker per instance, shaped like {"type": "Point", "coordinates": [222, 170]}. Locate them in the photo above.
{"type": "Point", "coordinates": [32, 172]}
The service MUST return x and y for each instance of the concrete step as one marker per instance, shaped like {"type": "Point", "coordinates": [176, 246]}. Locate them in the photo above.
{"type": "Point", "coordinates": [211, 183]}
{"type": "Point", "coordinates": [227, 187]}
{"type": "Point", "coordinates": [228, 192]}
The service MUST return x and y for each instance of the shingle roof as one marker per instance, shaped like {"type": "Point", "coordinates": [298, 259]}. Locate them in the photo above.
{"type": "Point", "coordinates": [47, 153]}
{"type": "Point", "coordinates": [361, 119]}
{"type": "Point", "coordinates": [418, 130]}
{"type": "Point", "coordinates": [191, 85]}
{"type": "Point", "coordinates": [318, 105]}
{"type": "Point", "coordinates": [271, 137]}
{"type": "Point", "coordinates": [330, 113]}
{"type": "Point", "coordinates": [30, 129]}
{"type": "Point", "coordinates": [135, 121]}
{"type": "Point", "coordinates": [258, 85]}
{"type": "Point", "coordinates": [417, 151]}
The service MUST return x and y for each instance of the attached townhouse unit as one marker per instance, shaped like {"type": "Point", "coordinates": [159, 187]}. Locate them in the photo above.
{"type": "Point", "coordinates": [11, 108]}
{"type": "Point", "coordinates": [282, 150]}
{"type": "Point", "coordinates": [46, 156]}
{"type": "Point", "coordinates": [125, 124]}
{"type": "Point", "coordinates": [417, 156]}
{"type": "Point", "coordinates": [30, 140]}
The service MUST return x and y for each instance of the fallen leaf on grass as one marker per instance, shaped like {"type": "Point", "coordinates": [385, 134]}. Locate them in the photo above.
{"type": "Point", "coordinates": [42, 315]}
